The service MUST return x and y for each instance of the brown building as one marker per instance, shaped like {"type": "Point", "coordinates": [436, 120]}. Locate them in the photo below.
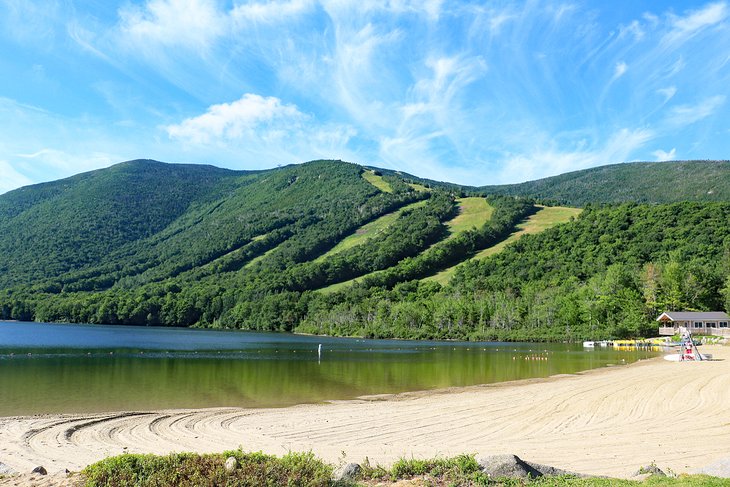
{"type": "Point", "coordinates": [701, 322]}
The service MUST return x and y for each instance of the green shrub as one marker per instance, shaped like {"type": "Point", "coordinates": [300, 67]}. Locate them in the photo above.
{"type": "Point", "coordinates": [188, 469]}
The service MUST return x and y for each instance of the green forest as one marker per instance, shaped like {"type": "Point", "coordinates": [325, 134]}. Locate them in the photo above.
{"type": "Point", "coordinates": [149, 243]}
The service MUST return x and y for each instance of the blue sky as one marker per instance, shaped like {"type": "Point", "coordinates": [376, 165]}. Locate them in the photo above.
{"type": "Point", "coordinates": [470, 92]}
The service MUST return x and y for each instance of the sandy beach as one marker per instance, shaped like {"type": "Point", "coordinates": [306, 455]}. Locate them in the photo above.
{"type": "Point", "coordinates": [608, 422]}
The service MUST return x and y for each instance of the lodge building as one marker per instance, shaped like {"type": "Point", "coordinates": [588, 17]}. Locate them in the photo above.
{"type": "Point", "coordinates": [700, 322]}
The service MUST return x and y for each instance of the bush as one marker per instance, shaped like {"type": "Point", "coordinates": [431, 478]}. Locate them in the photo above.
{"type": "Point", "coordinates": [189, 469]}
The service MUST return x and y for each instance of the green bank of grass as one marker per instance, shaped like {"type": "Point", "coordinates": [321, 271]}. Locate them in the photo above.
{"type": "Point", "coordinates": [377, 181]}
{"type": "Point", "coordinates": [473, 212]}
{"type": "Point", "coordinates": [369, 230]}
{"type": "Point", "coordinates": [234, 253]}
{"type": "Point", "coordinates": [259, 258]}
{"type": "Point", "coordinates": [546, 217]}
{"type": "Point", "coordinates": [333, 288]}
{"type": "Point", "coordinates": [418, 187]}
{"type": "Point", "coordinates": [304, 469]}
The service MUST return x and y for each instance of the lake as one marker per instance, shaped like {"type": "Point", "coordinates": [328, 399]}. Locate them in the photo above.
{"type": "Point", "coordinates": [63, 368]}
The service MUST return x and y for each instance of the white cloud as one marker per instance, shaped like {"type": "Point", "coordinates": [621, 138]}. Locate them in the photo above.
{"type": "Point", "coordinates": [414, 153]}
{"type": "Point", "coordinates": [405, 81]}
{"type": "Point", "coordinates": [430, 8]}
{"type": "Point", "coordinates": [688, 114]}
{"type": "Point", "coordinates": [361, 79]}
{"type": "Point", "coordinates": [58, 160]}
{"type": "Point", "coordinates": [664, 155]}
{"type": "Point", "coordinates": [551, 160]}
{"type": "Point", "coordinates": [235, 120]}
{"type": "Point", "coordinates": [695, 21]}
{"type": "Point", "coordinates": [263, 131]}
{"type": "Point", "coordinates": [667, 92]}
{"type": "Point", "coordinates": [449, 75]}
{"type": "Point", "coordinates": [270, 11]}
{"type": "Point", "coordinates": [10, 178]}
{"type": "Point", "coordinates": [620, 69]}
{"type": "Point", "coordinates": [173, 23]}
{"type": "Point", "coordinates": [634, 30]}
{"type": "Point", "coordinates": [31, 22]}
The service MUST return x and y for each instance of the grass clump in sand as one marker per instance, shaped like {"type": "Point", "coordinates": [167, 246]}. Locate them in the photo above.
{"type": "Point", "coordinates": [304, 469]}
{"type": "Point", "coordinates": [458, 470]}
{"type": "Point", "coordinates": [190, 469]}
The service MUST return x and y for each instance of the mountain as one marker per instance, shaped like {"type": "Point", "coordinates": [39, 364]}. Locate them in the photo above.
{"type": "Point", "coordinates": [52, 228]}
{"type": "Point", "coordinates": [639, 182]}
{"type": "Point", "coordinates": [334, 247]}
{"type": "Point", "coordinates": [148, 213]}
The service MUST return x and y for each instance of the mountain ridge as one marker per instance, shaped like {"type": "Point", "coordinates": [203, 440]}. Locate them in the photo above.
{"type": "Point", "coordinates": [639, 182]}
{"type": "Point", "coordinates": [551, 187]}
{"type": "Point", "coordinates": [146, 242]}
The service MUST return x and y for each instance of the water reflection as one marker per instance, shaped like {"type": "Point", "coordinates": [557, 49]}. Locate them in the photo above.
{"type": "Point", "coordinates": [83, 368]}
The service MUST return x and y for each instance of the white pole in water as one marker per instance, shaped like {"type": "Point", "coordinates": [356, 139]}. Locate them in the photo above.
{"type": "Point", "coordinates": [319, 352]}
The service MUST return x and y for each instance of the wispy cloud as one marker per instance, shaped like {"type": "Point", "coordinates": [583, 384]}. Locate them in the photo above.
{"type": "Point", "coordinates": [31, 22]}
{"type": "Point", "coordinates": [689, 25]}
{"type": "Point", "coordinates": [551, 159]}
{"type": "Point", "coordinates": [688, 114]}
{"type": "Point", "coordinates": [191, 24]}
{"type": "Point", "coordinates": [664, 155]}
{"type": "Point", "coordinates": [668, 92]}
{"type": "Point", "coordinates": [476, 92]}
{"type": "Point", "coordinates": [11, 178]}
{"type": "Point", "coordinates": [66, 163]}
{"type": "Point", "coordinates": [271, 11]}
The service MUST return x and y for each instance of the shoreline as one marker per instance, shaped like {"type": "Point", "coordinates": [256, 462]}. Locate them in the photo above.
{"type": "Point", "coordinates": [605, 421]}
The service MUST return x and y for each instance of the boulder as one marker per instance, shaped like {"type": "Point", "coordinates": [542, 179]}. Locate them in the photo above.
{"type": "Point", "coordinates": [347, 473]}
{"type": "Point", "coordinates": [513, 466]}
{"type": "Point", "coordinates": [40, 470]}
{"type": "Point", "coordinates": [231, 464]}
{"type": "Point", "coordinates": [549, 471]}
{"type": "Point", "coordinates": [510, 466]}
{"type": "Point", "coordinates": [650, 470]}
{"type": "Point", "coordinates": [5, 470]}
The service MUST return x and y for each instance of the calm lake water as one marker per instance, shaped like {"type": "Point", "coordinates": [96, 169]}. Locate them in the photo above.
{"type": "Point", "coordinates": [52, 368]}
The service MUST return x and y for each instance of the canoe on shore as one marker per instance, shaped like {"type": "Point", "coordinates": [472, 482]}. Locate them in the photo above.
{"type": "Point", "coordinates": [677, 357]}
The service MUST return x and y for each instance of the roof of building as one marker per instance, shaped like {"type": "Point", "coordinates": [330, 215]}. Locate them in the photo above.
{"type": "Point", "coordinates": [694, 316]}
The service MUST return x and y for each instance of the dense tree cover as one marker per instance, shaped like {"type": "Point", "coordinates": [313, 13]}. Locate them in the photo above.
{"type": "Point", "coordinates": [277, 293]}
{"type": "Point", "coordinates": [608, 274]}
{"type": "Point", "coordinates": [639, 182]}
{"type": "Point", "coordinates": [52, 228]}
{"type": "Point", "coordinates": [313, 204]}
{"type": "Point", "coordinates": [293, 215]}
{"type": "Point", "coordinates": [508, 211]}
{"type": "Point", "coordinates": [240, 250]}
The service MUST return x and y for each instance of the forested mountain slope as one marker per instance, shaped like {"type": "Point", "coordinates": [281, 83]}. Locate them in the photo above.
{"type": "Point", "coordinates": [638, 182]}
{"type": "Point", "coordinates": [145, 242]}
{"type": "Point", "coordinates": [144, 221]}
{"type": "Point", "coordinates": [51, 228]}
{"type": "Point", "coordinates": [607, 274]}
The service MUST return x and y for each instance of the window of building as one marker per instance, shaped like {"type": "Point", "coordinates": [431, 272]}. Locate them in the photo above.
{"type": "Point", "coordinates": [698, 324]}
{"type": "Point", "coordinates": [723, 324]}
{"type": "Point", "coordinates": [712, 324]}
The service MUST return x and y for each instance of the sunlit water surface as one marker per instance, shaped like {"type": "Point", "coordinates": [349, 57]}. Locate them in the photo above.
{"type": "Point", "coordinates": [56, 368]}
